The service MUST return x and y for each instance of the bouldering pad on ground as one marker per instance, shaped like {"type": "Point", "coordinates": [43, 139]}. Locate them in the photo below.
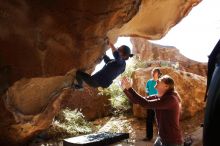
{"type": "Point", "coordinates": [97, 139]}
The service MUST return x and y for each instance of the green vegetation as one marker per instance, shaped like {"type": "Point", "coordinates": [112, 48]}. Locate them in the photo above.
{"type": "Point", "coordinates": [69, 123]}
{"type": "Point", "coordinates": [119, 101]}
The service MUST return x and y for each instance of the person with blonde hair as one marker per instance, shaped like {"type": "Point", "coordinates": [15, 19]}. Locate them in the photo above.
{"type": "Point", "coordinates": [167, 105]}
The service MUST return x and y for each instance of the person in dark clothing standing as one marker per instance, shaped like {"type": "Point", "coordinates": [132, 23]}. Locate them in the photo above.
{"type": "Point", "coordinates": [151, 90]}
{"type": "Point", "coordinates": [211, 126]}
{"type": "Point", "coordinates": [112, 69]}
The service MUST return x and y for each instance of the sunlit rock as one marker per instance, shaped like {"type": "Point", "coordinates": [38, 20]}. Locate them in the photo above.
{"type": "Point", "coordinates": [33, 104]}
{"type": "Point", "coordinates": [158, 55]}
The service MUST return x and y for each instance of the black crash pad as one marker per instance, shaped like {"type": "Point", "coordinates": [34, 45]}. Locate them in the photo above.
{"type": "Point", "coordinates": [97, 139]}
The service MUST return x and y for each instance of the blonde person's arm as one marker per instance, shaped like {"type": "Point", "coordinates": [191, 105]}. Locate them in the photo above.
{"type": "Point", "coordinates": [154, 103]}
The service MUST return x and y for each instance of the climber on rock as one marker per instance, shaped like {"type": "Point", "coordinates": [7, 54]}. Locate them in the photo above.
{"type": "Point", "coordinates": [112, 69]}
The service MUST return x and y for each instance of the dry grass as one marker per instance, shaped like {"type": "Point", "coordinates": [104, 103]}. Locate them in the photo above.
{"type": "Point", "coordinates": [69, 123]}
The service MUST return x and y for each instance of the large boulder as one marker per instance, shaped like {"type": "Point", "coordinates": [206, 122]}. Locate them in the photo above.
{"type": "Point", "coordinates": [30, 105]}
{"type": "Point", "coordinates": [92, 104]}
{"type": "Point", "coordinates": [156, 55]}
{"type": "Point", "coordinates": [191, 88]}
{"type": "Point", "coordinates": [40, 41]}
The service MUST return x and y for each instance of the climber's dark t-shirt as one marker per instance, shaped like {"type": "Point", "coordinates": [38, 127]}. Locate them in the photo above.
{"type": "Point", "coordinates": [112, 69]}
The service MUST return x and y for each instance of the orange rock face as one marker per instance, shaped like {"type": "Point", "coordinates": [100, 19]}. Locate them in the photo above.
{"type": "Point", "coordinates": [191, 88]}
{"type": "Point", "coordinates": [42, 40]}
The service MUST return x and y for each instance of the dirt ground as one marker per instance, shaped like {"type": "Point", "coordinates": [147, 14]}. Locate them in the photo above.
{"type": "Point", "coordinates": [136, 129]}
{"type": "Point", "coordinates": [191, 127]}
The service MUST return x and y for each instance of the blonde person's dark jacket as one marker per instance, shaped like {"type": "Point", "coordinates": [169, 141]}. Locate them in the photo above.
{"type": "Point", "coordinates": [167, 110]}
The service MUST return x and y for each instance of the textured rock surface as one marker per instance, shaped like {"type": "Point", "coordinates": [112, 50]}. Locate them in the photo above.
{"type": "Point", "coordinates": [92, 104]}
{"type": "Point", "coordinates": [155, 18]}
{"type": "Point", "coordinates": [33, 104]}
{"type": "Point", "coordinates": [191, 88]}
{"type": "Point", "coordinates": [42, 40]}
{"type": "Point", "coordinates": [155, 53]}
{"type": "Point", "coordinates": [47, 38]}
